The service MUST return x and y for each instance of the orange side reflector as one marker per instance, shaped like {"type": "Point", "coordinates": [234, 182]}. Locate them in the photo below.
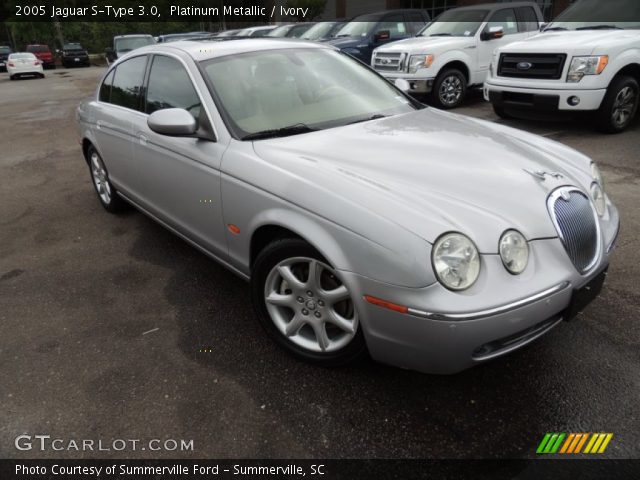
{"type": "Point", "coordinates": [233, 229]}
{"type": "Point", "coordinates": [384, 304]}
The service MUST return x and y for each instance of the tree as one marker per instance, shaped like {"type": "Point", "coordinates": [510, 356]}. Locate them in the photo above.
{"type": "Point", "coordinates": [316, 8]}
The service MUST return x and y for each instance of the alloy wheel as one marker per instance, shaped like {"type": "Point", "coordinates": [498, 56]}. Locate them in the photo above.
{"type": "Point", "coordinates": [450, 90]}
{"type": "Point", "coordinates": [624, 106]}
{"type": "Point", "coordinates": [100, 179]}
{"type": "Point", "coordinates": [309, 305]}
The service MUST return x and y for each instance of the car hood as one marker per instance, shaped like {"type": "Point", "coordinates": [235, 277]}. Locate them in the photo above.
{"type": "Point", "coordinates": [429, 172]}
{"type": "Point", "coordinates": [427, 44]}
{"type": "Point", "coordinates": [582, 42]}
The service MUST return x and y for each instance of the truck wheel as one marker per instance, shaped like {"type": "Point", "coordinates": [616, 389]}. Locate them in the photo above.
{"type": "Point", "coordinates": [449, 89]}
{"type": "Point", "coordinates": [619, 106]}
{"type": "Point", "coordinates": [501, 112]}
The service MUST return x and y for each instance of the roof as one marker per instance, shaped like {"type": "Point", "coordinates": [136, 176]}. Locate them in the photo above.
{"type": "Point", "coordinates": [205, 50]}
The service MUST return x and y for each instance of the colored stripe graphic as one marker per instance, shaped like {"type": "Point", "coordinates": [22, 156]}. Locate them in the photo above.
{"type": "Point", "coordinates": [572, 443]}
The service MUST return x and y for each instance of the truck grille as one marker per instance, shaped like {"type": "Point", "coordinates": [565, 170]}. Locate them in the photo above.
{"type": "Point", "coordinates": [546, 66]}
{"type": "Point", "coordinates": [576, 222]}
{"type": "Point", "coordinates": [389, 62]}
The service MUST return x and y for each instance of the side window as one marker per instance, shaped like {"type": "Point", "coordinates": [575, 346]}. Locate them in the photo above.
{"type": "Point", "coordinates": [105, 88]}
{"type": "Point", "coordinates": [506, 19]}
{"type": "Point", "coordinates": [395, 24]}
{"type": "Point", "coordinates": [527, 19]}
{"type": "Point", "coordinates": [416, 21]}
{"type": "Point", "coordinates": [170, 87]}
{"type": "Point", "coordinates": [127, 83]}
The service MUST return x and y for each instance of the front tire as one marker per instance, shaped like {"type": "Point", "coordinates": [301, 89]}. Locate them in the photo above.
{"type": "Point", "coordinates": [619, 106]}
{"type": "Point", "coordinates": [107, 194]}
{"type": "Point", "coordinates": [304, 306]}
{"type": "Point", "coordinates": [449, 89]}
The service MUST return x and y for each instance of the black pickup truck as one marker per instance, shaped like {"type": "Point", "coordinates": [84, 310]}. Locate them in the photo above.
{"type": "Point", "coordinates": [73, 54]}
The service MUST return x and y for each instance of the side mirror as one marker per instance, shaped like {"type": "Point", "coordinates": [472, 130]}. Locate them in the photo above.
{"type": "Point", "coordinates": [493, 33]}
{"type": "Point", "coordinates": [382, 35]}
{"type": "Point", "coordinates": [402, 84]}
{"type": "Point", "coordinates": [174, 122]}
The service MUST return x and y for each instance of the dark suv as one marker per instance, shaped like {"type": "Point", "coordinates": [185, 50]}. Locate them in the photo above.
{"type": "Point", "coordinates": [4, 55]}
{"type": "Point", "coordinates": [364, 33]}
{"type": "Point", "coordinates": [73, 54]}
{"type": "Point", "coordinates": [43, 53]}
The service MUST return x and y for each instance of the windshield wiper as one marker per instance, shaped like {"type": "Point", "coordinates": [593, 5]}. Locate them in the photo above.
{"type": "Point", "coordinates": [600, 27]}
{"type": "Point", "coordinates": [440, 35]}
{"type": "Point", "coordinates": [280, 132]}
{"type": "Point", "coordinates": [551, 29]}
{"type": "Point", "coordinates": [372, 117]}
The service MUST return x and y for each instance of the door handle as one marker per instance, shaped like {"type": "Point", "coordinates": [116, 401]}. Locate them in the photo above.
{"type": "Point", "coordinates": [143, 139]}
{"type": "Point", "coordinates": [99, 124]}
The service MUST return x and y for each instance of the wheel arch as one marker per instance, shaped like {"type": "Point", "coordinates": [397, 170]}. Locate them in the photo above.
{"type": "Point", "coordinates": [631, 70]}
{"type": "Point", "coordinates": [458, 65]}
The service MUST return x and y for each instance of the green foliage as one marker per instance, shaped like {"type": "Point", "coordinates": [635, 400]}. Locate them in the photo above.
{"type": "Point", "coordinates": [316, 7]}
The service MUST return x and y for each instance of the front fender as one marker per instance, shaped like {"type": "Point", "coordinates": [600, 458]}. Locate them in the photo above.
{"type": "Point", "coordinates": [399, 257]}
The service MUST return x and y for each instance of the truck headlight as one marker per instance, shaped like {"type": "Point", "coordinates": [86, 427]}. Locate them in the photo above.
{"type": "Point", "coordinates": [456, 261]}
{"type": "Point", "coordinates": [581, 66]}
{"type": "Point", "coordinates": [514, 251]}
{"type": "Point", "coordinates": [416, 62]}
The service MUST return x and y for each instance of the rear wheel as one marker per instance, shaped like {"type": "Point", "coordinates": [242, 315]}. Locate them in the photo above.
{"type": "Point", "coordinates": [449, 89]}
{"type": "Point", "coordinates": [304, 306]}
{"type": "Point", "coordinates": [106, 192]}
{"type": "Point", "coordinates": [619, 106]}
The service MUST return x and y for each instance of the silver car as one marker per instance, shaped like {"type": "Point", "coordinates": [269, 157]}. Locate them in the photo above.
{"type": "Point", "coordinates": [364, 221]}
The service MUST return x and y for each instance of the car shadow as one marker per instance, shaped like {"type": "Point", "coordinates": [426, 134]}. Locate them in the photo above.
{"type": "Point", "coordinates": [362, 410]}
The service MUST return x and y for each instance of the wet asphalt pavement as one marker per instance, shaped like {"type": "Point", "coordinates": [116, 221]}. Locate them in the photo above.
{"type": "Point", "coordinates": [104, 323]}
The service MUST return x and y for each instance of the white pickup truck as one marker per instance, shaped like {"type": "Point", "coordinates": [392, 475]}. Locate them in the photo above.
{"type": "Point", "coordinates": [574, 65]}
{"type": "Point", "coordinates": [454, 52]}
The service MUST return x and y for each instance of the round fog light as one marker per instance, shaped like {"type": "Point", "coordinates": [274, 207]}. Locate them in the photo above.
{"type": "Point", "coordinates": [573, 101]}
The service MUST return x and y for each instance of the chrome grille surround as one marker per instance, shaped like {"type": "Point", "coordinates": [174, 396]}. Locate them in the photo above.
{"type": "Point", "coordinates": [578, 226]}
{"type": "Point", "coordinates": [389, 61]}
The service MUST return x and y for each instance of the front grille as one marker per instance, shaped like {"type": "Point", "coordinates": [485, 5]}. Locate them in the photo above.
{"type": "Point", "coordinates": [545, 66]}
{"type": "Point", "coordinates": [576, 222]}
{"type": "Point", "coordinates": [389, 62]}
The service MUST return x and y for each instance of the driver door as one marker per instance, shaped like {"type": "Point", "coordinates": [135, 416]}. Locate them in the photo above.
{"type": "Point", "coordinates": [180, 177]}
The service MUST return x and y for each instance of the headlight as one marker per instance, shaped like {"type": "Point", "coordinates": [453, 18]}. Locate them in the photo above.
{"type": "Point", "coordinates": [417, 62]}
{"type": "Point", "coordinates": [581, 66]}
{"type": "Point", "coordinates": [597, 195]}
{"type": "Point", "coordinates": [514, 251]}
{"type": "Point", "coordinates": [456, 261]}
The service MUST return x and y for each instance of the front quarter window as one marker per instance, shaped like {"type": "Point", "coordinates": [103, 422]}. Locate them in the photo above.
{"type": "Point", "coordinates": [315, 88]}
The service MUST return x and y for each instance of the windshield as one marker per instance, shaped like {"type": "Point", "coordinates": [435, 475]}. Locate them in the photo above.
{"type": "Point", "coordinates": [310, 88]}
{"type": "Point", "coordinates": [280, 31]}
{"type": "Point", "coordinates": [596, 14]}
{"type": "Point", "coordinates": [360, 28]}
{"type": "Point", "coordinates": [319, 30]}
{"type": "Point", "coordinates": [72, 46]}
{"type": "Point", "coordinates": [131, 43]}
{"type": "Point", "coordinates": [455, 23]}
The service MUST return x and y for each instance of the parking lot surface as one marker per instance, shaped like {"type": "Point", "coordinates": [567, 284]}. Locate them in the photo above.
{"type": "Point", "coordinates": [113, 328]}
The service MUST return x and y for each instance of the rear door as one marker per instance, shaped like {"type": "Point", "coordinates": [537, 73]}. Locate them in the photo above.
{"type": "Point", "coordinates": [180, 177]}
{"type": "Point", "coordinates": [118, 109]}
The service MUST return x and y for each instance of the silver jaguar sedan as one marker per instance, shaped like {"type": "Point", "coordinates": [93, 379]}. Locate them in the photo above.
{"type": "Point", "coordinates": [364, 221]}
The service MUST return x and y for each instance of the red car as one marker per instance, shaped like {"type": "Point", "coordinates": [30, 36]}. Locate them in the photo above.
{"type": "Point", "coordinates": [43, 53]}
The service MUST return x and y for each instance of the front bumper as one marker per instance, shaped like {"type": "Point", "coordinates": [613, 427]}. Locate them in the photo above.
{"type": "Point", "coordinates": [416, 85]}
{"type": "Point", "coordinates": [542, 99]}
{"type": "Point", "coordinates": [503, 314]}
